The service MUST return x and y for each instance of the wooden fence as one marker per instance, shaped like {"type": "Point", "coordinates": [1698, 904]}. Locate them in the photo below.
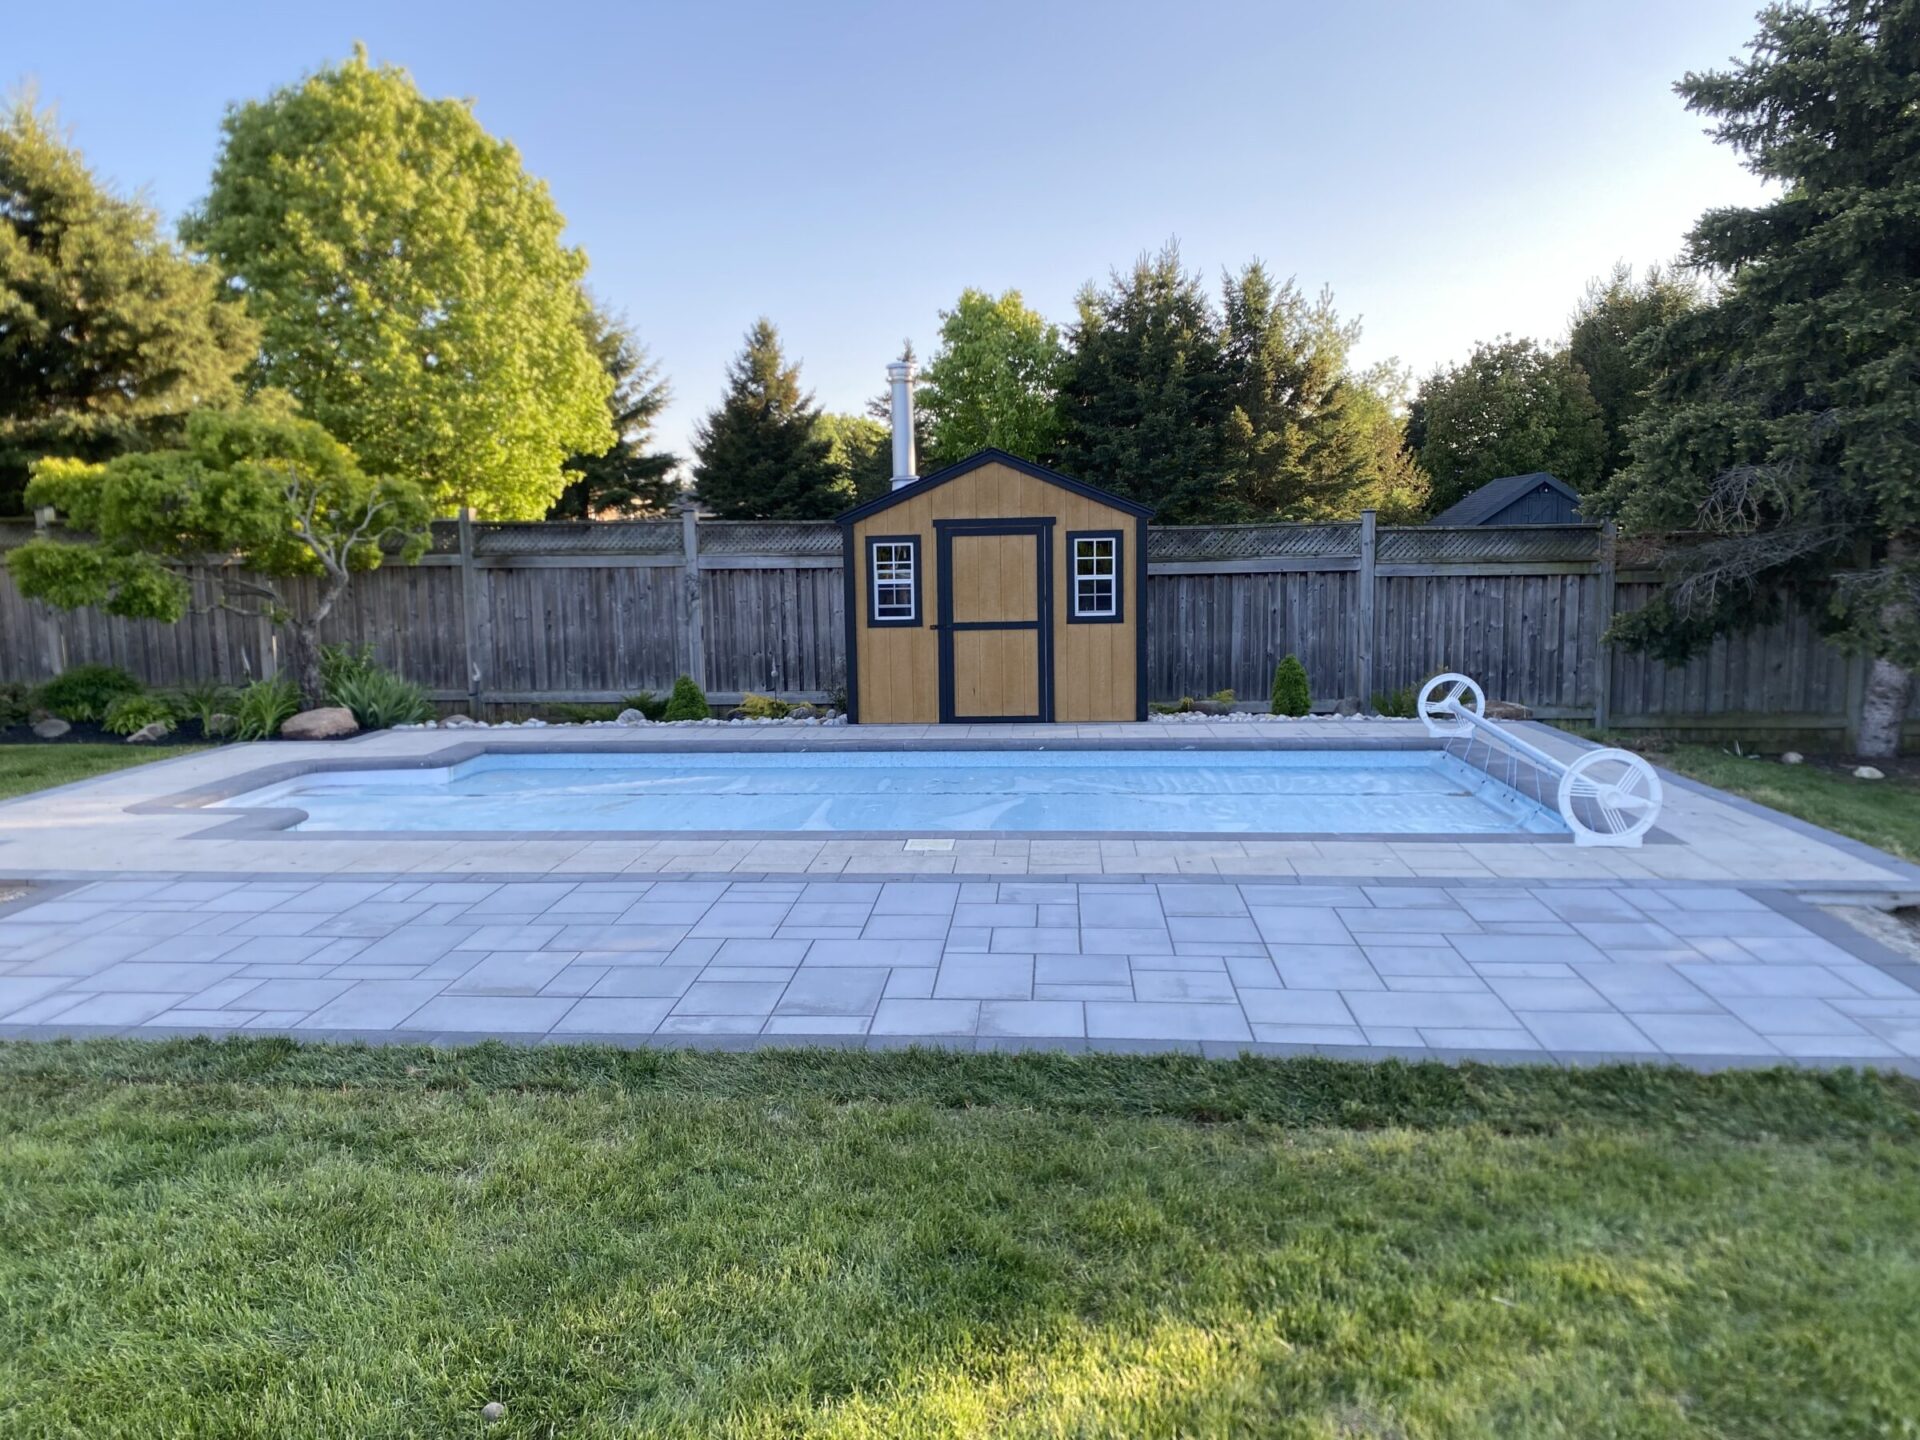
{"type": "Point", "coordinates": [503, 616]}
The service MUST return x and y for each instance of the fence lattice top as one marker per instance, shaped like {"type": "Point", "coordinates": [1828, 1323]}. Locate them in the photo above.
{"type": "Point", "coordinates": [1487, 544]}
{"type": "Point", "coordinates": [1250, 542]}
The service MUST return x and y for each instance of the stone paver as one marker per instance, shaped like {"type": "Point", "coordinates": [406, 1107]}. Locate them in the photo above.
{"type": "Point", "coordinates": [1347, 969]}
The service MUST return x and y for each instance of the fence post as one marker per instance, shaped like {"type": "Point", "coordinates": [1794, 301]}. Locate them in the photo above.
{"type": "Point", "coordinates": [470, 602]}
{"type": "Point", "coordinates": [1603, 607]}
{"type": "Point", "coordinates": [1363, 653]}
{"type": "Point", "coordinates": [695, 609]}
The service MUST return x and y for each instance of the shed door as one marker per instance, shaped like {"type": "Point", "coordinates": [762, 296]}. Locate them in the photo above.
{"type": "Point", "coordinates": [996, 620]}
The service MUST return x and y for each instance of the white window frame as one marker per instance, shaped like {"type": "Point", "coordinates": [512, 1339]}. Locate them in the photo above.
{"type": "Point", "coordinates": [1099, 561]}
{"type": "Point", "coordinates": [895, 573]}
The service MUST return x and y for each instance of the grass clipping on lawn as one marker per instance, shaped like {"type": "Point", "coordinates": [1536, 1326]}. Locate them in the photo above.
{"type": "Point", "coordinates": [253, 1238]}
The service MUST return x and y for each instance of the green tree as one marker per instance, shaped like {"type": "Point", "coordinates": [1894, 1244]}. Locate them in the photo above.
{"type": "Point", "coordinates": [1782, 432]}
{"type": "Point", "coordinates": [629, 479]}
{"type": "Point", "coordinates": [1395, 485]}
{"type": "Point", "coordinates": [992, 380]}
{"type": "Point", "coordinates": [277, 494]}
{"type": "Point", "coordinates": [1510, 409]}
{"type": "Point", "coordinates": [1611, 316]}
{"type": "Point", "coordinates": [415, 295]}
{"type": "Point", "coordinates": [760, 455]}
{"type": "Point", "coordinates": [1144, 395]}
{"type": "Point", "coordinates": [860, 449]}
{"type": "Point", "coordinates": [109, 335]}
{"type": "Point", "coordinates": [1298, 437]}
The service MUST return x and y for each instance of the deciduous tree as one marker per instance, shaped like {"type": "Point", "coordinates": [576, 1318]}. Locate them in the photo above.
{"type": "Point", "coordinates": [414, 291]}
{"type": "Point", "coordinates": [275, 494]}
{"type": "Point", "coordinates": [109, 334]}
{"type": "Point", "coordinates": [1511, 408]}
{"type": "Point", "coordinates": [992, 380]}
{"type": "Point", "coordinates": [759, 455]}
{"type": "Point", "coordinates": [1780, 449]}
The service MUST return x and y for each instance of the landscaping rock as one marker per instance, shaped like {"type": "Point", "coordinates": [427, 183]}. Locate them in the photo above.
{"type": "Point", "coordinates": [1212, 707]}
{"type": "Point", "coordinates": [329, 722]}
{"type": "Point", "coordinates": [457, 721]}
{"type": "Point", "coordinates": [217, 725]}
{"type": "Point", "coordinates": [1347, 707]}
{"type": "Point", "coordinates": [51, 728]}
{"type": "Point", "coordinates": [147, 734]}
{"type": "Point", "coordinates": [534, 722]}
{"type": "Point", "coordinates": [1868, 772]}
{"type": "Point", "coordinates": [737, 713]}
{"type": "Point", "coordinates": [804, 712]}
{"type": "Point", "coordinates": [493, 1410]}
{"type": "Point", "coordinates": [1793, 757]}
{"type": "Point", "coordinates": [1507, 710]}
{"type": "Point", "coordinates": [631, 717]}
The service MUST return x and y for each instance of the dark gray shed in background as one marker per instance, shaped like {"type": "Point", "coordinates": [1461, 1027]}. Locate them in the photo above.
{"type": "Point", "coordinates": [1536, 499]}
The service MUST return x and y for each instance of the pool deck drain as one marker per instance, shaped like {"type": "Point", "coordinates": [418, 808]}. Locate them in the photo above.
{"type": "Point", "coordinates": [1702, 951]}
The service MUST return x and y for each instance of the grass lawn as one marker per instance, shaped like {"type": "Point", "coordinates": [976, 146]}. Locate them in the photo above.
{"type": "Point", "coordinates": [255, 1238]}
{"type": "Point", "coordinates": [25, 768]}
{"type": "Point", "coordinates": [1885, 812]}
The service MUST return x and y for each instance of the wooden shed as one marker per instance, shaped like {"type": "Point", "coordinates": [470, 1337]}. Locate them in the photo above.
{"type": "Point", "coordinates": [996, 589]}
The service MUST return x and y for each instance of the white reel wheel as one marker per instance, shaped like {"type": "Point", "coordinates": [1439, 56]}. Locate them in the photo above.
{"type": "Point", "coordinates": [1444, 697]}
{"type": "Point", "coordinates": [1609, 797]}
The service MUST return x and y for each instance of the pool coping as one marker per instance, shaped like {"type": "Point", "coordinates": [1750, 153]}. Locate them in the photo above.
{"type": "Point", "coordinates": [277, 822]}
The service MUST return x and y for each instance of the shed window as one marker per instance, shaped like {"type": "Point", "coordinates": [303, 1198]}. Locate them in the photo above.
{"type": "Point", "coordinates": [895, 565]}
{"type": "Point", "coordinates": [1096, 575]}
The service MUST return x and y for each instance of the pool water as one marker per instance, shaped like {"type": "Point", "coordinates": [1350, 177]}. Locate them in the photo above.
{"type": "Point", "coordinates": [1294, 792]}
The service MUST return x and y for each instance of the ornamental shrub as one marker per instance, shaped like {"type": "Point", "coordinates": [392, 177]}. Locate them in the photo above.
{"type": "Point", "coordinates": [263, 707]}
{"type": "Point", "coordinates": [135, 712]}
{"type": "Point", "coordinates": [765, 707]}
{"type": "Point", "coordinates": [689, 702]}
{"type": "Point", "coordinates": [380, 699]}
{"type": "Point", "coordinates": [1291, 695]}
{"type": "Point", "coordinates": [85, 692]}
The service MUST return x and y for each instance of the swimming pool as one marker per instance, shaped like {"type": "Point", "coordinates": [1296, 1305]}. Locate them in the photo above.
{"type": "Point", "coordinates": [1279, 792]}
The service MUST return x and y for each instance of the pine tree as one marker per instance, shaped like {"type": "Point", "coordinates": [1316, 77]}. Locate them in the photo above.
{"type": "Point", "coordinates": [760, 456]}
{"type": "Point", "coordinates": [1779, 451]}
{"type": "Point", "coordinates": [1297, 442]}
{"type": "Point", "coordinates": [1611, 316]}
{"type": "Point", "coordinates": [1144, 396]}
{"type": "Point", "coordinates": [109, 334]}
{"type": "Point", "coordinates": [629, 479]}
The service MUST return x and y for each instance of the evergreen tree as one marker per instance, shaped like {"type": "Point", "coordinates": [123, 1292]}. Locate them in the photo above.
{"type": "Point", "coordinates": [1296, 438]}
{"type": "Point", "coordinates": [1784, 416]}
{"type": "Point", "coordinates": [760, 456]}
{"type": "Point", "coordinates": [629, 479]}
{"type": "Point", "coordinates": [1512, 408]}
{"type": "Point", "coordinates": [1144, 397]}
{"type": "Point", "coordinates": [109, 335]}
{"type": "Point", "coordinates": [416, 296]}
{"type": "Point", "coordinates": [1612, 315]}
{"type": "Point", "coordinates": [992, 381]}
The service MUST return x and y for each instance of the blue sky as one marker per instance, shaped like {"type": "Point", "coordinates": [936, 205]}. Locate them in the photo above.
{"type": "Point", "coordinates": [1454, 171]}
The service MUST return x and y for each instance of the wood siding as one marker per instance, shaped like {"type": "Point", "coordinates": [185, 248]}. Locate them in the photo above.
{"type": "Point", "coordinates": [1095, 675]}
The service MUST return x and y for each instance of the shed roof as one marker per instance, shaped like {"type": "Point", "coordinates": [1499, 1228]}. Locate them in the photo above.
{"type": "Point", "coordinates": [1491, 498]}
{"type": "Point", "coordinates": [993, 457]}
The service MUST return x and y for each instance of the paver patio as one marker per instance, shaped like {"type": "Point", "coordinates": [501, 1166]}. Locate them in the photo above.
{"type": "Point", "coordinates": [1701, 947]}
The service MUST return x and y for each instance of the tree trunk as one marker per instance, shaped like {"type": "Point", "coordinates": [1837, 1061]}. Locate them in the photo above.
{"type": "Point", "coordinates": [1884, 706]}
{"type": "Point", "coordinates": [303, 663]}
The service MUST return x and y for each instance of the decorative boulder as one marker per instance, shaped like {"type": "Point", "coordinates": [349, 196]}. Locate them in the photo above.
{"type": "Point", "coordinates": [147, 734]}
{"type": "Point", "coordinates": [738, 713]}
{"type": "Point", "coordinates": [457, 721]}
{"type": "Point", "coordinates": [804, 712]}
{"type": "Point", "coordinates": [51, 728]}
{"type": "Point", "coordinates": [631, 717]}
{"type": "Point", "coordinates": [1347, 706]}
{"type": "Point", "coordinates": [1868, 772]}
{"type": "Point", "coordinates": [329, 722]}
{"type": "Point", "coordinates": [1507, 710]}
{"type": "Point", "coordinates": [1793, 757]}
{"type": "Point", "coordinates": [1212, 707]}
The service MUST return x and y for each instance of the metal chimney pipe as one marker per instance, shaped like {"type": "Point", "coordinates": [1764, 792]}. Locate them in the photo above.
{"type": "Point", "coordinates": [900, 377]}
